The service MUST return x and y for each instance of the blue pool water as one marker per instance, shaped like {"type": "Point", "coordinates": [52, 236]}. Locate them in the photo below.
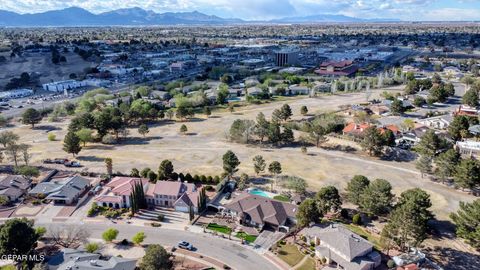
{"type": "Point", "coordinates": [259, 192]}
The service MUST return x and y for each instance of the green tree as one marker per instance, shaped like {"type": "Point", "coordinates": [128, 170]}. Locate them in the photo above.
{"type": "Point", "coordinates": [286, 112]}
{"type": "Point", "coordinates": [110, 234]}
{"type": "Point", "coordinates": [460, 123]}
{"type": "Point", "coordinates": [230, 163]}
{"type": "Point", "coordinates": [316, 133]}
{"type": "Point", "coordinates": [389, 138]}
{"type": "Point", "coordinates": [430, 144]}
{"type": "Point", "coordinates": [424, 165]}
{"type": "Point", "coordinates": [274, 135]}
{"type": "Point", "coordinates": [261, 127]}
{"type": "Point", "coordinates": [92, 247]}
{"type": "Point", "coordinates": [222, 94]}
{"type": "Point", "coordinates": [373, 141]}
{"type": "Point", "coordinates": [470, 98]}
{"type": "Point", "coordinates": [18, 237]}
{"type": "Point", "coordinates": [71, 143]}
{"type": "Point", "coordinates": [467, 221]}
{"type": "Point", "coordinates": [308, 212]}
{"type": "Point", "coordinates": [207, 111]}
{"type": "Point", "coordinates": [467, 174]}
{"type": "Point", "coordinates": [183, 129]}
{"type": "Point", "coordinates": [85, 135]}
{"type": "Point", "coordinates": [328, 199]}
{"type": "Point", "coordinates": [109, 166]}
{"type": "Point", "coordinates": [165, 170]}
{"type": "Point", "coordinates": [356, 187]}
{"type": "Point", "coordinates": [303, 110]}
{"type": "Point", "coordinates": [407, 226]}
{"type": "Point", "coordinates": [31, 117]}
{"type": "Point", "coordinates": [287, 136]}
{"type": "Point", "coordinates": [446, 164]}
{"type": "Point", "coordinates": [396, 108]}
{"type": "Point", "coordinates": [27, 171]}
{"type": "Point", "coordinates": [377, 197]}
{"type": "Point", "coordinates": [275, 168]}
{"type": "Point", "coordinates": [138, 238]}
{"type": "Point", "coordinates": [259, 164]}
{"type": "Point", "coordinates": [8, 137]}
{"type": "Point", "coordinates": [134, 173]}
{"type": "Point", "coordinates": [143, 130]}
{"type": "Point", "coordinates": [156, 258]}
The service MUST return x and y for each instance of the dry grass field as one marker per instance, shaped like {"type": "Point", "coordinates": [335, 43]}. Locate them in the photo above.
{"type": "Point", "coordinates": [200, 152]}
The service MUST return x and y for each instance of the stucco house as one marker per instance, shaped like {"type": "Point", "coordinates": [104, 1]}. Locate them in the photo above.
{"type": "Point", "coordinates": [13, 187]}
{"type": "Point", "coordinates": [262, 212]}
{"type": "Point", "coordinates": [116, 193]}
{"type": "Point", "coordinates": [173, 194]}
{"type": "Point", "coordinates": [341, 247]}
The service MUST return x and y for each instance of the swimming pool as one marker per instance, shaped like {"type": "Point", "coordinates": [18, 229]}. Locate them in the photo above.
{"type": "Point", "coordinates": [259, 192]}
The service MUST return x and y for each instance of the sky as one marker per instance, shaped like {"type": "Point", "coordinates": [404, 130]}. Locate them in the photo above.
{"type": "Point", "coordinates": [411, 10]}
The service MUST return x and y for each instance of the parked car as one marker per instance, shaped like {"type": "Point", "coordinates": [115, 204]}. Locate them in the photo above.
{"type": "Point", "coordinates": [72, 164]}
{"type": "Point", "coordinates": [228, 195]}
{"type": "Point", "coordinates": [60, 160]}
{"type": "Point", "coordinates": [185, 245]}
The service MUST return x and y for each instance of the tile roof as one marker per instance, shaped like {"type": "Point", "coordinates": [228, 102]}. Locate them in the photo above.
{"type": "Point", "coordinates": [124, 185]}
{"type": "Point", "coordinates": [262, 209]}
{"type": "Point", "coordinates": [170, 188]}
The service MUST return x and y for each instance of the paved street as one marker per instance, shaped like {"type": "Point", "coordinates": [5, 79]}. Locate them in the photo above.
{"type": "Point", "coordinates": [232, 254]}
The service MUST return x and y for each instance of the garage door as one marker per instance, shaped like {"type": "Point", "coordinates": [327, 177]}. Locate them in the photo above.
{"type": "Point", "coordinates": [181, 209]}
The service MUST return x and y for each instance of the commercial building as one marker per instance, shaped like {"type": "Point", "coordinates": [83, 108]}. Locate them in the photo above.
{"type": "Point", "coordinates": [17, 93]}
{"type": "Point", "coordinates": [60, 86]}
{"type": "Point", "coordinates": [286, 58]}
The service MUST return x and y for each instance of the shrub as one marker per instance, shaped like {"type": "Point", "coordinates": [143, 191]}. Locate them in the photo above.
{"type": "Point", "coordinates": [209, 188]}
{"type": "Point", "coordinates": [161, 217]}
{"type": "Point", "coordinates": [155, 224]}
{"type": "Point", "coordinates": [51, 137]}
{"type": "Point", "coordinates": [390, 264]}
{"type": "Point", "coordinates": [357, 219]}
{"type": "Point", "coordinates": [109, 139]}
{"type": "Point", "coordinates": [124, 242]}
{"type": "Point", "coordinates": [92, 247]}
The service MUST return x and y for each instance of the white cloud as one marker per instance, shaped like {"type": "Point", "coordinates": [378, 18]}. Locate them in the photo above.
{"type": "Point", "coordinates": [266, 9]}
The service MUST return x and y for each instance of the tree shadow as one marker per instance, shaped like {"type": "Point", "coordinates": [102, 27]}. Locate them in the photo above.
{"type": "Point", "coordinates": [46, 128]}
{"type": "Point", "coordinates": [90, 158]}
{"type": "Point", "coordinates": [452, 259]}
{"type": "Point", "coordinates": [196, 119]}
{"type": "Point", "coordinates": [214, 116]}
{"type": "Point", "coordinates": [138, 140]}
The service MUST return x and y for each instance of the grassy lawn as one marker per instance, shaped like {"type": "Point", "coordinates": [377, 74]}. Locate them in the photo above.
{"type": "Point", "coordinates": [358, 230]}
{"type": "Point", "coordinates": [309, 264]}
{"type": "Point", "coordinates": [8, 267]}
{"type": "Point", "coordinates": [290, 254]}
{"type": "Point", "coordinates": [282, 198]}
{"type": "Point", "coordinates": [249, 238]}
{"type": "Point", "coordinates": [219, 228]}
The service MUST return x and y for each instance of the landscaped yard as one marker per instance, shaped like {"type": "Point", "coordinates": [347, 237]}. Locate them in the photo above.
{"type": "Point", "coordinates": [372, 239]}
{"type": "Point", "coordinates": [309, 264]}
{"type": "Point", "coordinates": [249, 238]}
{"type": "Point", "coordinates": [290, 254]}
{"type": "Point", "coordinates": [219, 228]}
{"type": "Point", "coordinates": [7, 267]}
{"type": "Point", "coordinates": [282, 198]}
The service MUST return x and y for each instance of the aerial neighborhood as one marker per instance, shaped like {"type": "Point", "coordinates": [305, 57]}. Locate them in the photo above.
{"type": "Point", "coordinates": [132, 139]}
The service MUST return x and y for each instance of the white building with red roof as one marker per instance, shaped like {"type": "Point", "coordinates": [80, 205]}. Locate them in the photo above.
{"type": "Point", "coordinates": [116, 193]}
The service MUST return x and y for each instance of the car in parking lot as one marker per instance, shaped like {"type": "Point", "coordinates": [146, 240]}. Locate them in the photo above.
{"type": "Point", "coordinates": [185, 245]}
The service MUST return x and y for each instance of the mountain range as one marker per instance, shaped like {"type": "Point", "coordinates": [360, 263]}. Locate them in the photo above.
{"type": "Point", "coordinates": [75, 16]}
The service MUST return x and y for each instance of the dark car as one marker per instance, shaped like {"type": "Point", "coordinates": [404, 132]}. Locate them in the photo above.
{"type": "Point", "coordinates": [185, 245]}
{"type": "Point", "coordinates": [228, 195]}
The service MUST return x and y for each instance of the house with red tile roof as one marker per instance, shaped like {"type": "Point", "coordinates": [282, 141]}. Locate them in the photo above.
{"type": "Point", "coordinates": [332, 68]}
{"type": "Point", "coordinates": [355, 129]}
{"type": "Point", "coordinates": [116, 193]}
{"type": "Point", "coordinates": [173, 194]}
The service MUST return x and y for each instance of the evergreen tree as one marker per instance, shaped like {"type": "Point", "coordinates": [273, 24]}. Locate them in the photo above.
{"type": "Point", "coordinates": [424, 165]}
{"type": "Point", "coordinates": [31, 117]}
{"type": "Point", "coordinates": [328, 199]}
{"type": "Point", "coordinates": [259, 164]}
{"type": "Point", "coordinates": [230, 163]}
{"type": "Point", "coordinates": [71, 143]}
{"type": "Point", "coordinates": [467, 221]}
{"type": "Point", "coordinates": [471, 98]}
{"type": "Point", "coordinates": [356, 187]}
{"type": "Point", "coordinates": [446, 164]}
{"type": "Point", "coordinates": [467, 174]}
{"type": "Point", "coordinates": [377, 197]}
{"type": "Point", "coordinates": [373, 141]}
{"type": "Point", "coordinates": [261, 127]}
{"type": "Point", "coordinates": [303, 110]}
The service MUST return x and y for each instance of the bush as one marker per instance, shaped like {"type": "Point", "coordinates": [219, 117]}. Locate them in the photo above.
{"type": "Point", "coordinates": [155, 224]}
{"type": "Point", "coordinates": [51, 137]}
{"type": "Point", "coordinates": [209, 188]}
{"type": "Point", "coordinates": [390, 264]}
{"type": "Point", "coordinates": [357, 219]}
{"type": "Point", "coordinates": [124, 242]}
{"type": "Point", "coordinates": [36, 202]}
{"type": "Point", "coordinates": [109, 139]}
{"type": "Point", "coordinates": [92, 247]}
{"type": "Point", "coordinates": [161, 217]}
